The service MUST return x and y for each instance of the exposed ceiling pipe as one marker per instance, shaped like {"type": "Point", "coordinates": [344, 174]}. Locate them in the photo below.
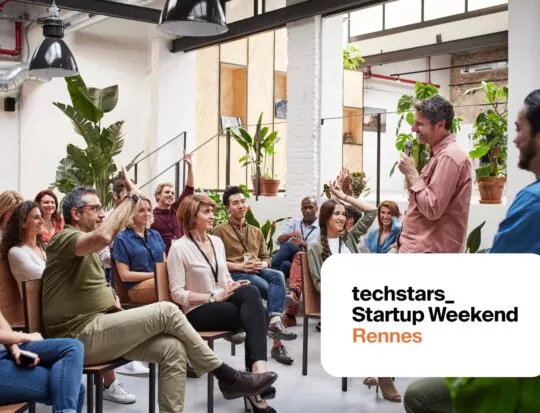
{"type": "Point", "coordinates": [3, 3]}
{"type": "Point", "coordinates": [370, 75]}
{"type": "Point", "coordinates": [18, 42]}
{"type": "Point", "coordinates": [13, 77]}
{"type": "Point", "coordinates": [76, 20]}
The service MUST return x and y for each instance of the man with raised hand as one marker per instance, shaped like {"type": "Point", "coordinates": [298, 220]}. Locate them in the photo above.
{"type": "Point", "coordinates": [78, 303]}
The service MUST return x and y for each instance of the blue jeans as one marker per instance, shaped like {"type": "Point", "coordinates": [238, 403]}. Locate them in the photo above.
{"type": "Point", "coordinates": [55, 380]}
{"type": "Point", "coordinates": [271, 285]}
{"type": "Point", "coordinates": [282, 261]}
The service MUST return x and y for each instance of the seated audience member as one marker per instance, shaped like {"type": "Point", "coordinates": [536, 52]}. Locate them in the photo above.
{"type": "Point", "coordinates": [165, 221]}
{"type": "Point", "coordinates": [53, 221]}
{"type": "Point", "coordinates": [517, 233]}
{"type": "Point", "coordinates": [382, 239]}
{"type": "Point", "coordinates": [136, 251]}
{"type": "Point", "coordinates": [24, 249]}
{"type": "Point", "coordinates": [201, 284]}
{"type": "Point", "coordinates": [8, 201]}
{"type": "Point", "coordinates": [296, 234]}
{"type": "Point", "coordinates": [78, 303]}
{"type": "Point", "coordinates": [22, 243]}
{"type": "Point", "coordinates": [54, 378]}
{"type": "Point", "coordinates": [247, 259]}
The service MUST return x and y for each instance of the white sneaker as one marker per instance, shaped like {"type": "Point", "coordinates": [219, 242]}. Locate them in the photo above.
{"type": "Point", "coordinates": [135, 368]}
{"type": "Point", "coordinates": [117, 393]}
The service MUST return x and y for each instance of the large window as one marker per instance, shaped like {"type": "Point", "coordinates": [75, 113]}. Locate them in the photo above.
{"type": "Point", "coordinates": [367, 20]}
{"type": "Point", "coordinates": [435, 9]}
{"type": "Point", "coordinates": [402, 13]}
{"type": "Point", "coordinates": [482, 4]}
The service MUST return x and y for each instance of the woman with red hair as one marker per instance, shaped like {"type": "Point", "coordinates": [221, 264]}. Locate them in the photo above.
{"type": "Point", "coordinates": [53, 221]}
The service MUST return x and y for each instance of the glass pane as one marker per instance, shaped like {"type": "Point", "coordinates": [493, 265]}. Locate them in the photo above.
{"type": "Point", "coordinates": [402, 12]}
{"type": "Point", "coordinates": [238, 10]}
{"type": "Point", "coordinates": [275, 4]}
{"type": "Point", "coordinates": [434, 9]}
{"type": "Point", "coordinates": [481, 4]}
{"type": "Point", "coordinates": [366, 20]}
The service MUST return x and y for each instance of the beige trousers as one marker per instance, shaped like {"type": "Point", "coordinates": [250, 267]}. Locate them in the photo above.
{"type": "Point", "coordinates": [156, 333]}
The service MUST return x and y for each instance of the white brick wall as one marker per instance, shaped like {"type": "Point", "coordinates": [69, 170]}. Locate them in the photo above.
{"type": "Point", "coordinates": [303, 117]}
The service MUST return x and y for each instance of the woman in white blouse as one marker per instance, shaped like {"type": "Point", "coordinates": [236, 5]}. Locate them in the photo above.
{"type": "Point", "coordinates": [200, 282]}
{"type": "Point", "coordinates": [22, 243]}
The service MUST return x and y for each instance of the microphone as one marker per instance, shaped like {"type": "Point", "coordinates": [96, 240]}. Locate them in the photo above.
{"type": "Point", "coordinates": [408, 148]}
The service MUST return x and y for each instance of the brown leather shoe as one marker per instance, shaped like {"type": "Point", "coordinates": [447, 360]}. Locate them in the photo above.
{"type": "Point", "coordinates": [281, 355]}
{"type": "Point", "coordinates": [277, 331]}
{"type": "Point", "coordinates": [289, 320]}
{"type": "Point", "coordinates": [247, 384]}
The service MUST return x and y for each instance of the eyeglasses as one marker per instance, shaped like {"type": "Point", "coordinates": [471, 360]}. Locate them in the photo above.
{"type": "Point", "coordinates": [94, 207]}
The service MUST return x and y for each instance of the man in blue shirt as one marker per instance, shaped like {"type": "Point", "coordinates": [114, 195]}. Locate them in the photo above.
{"type": "Point", "coordinates": [518, 233]}
{"type": "Point", "coordinates": [296, 234]}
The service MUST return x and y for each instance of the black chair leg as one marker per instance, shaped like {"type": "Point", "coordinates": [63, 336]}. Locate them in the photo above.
{"type": "Point", "coordinates": [152, 391]}
{"type": "Point", "coordinates": [246, 405]}
{"type": "Point", "coordinates": [344, 384]}
{"type": "Point", "coordinates": [210, 401]}
{"type": "Point", "coordinates": [99, 392]}
{"type": "Point", "coordinates": [233, 349]}
{"type": "Point", "coordinates": [31, 407]}
{"type": "Point", "coordinates": [90, 393]}
{"type": "Point", "coordinates": [305, 346]}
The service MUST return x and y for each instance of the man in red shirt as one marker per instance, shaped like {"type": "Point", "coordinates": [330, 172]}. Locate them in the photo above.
{"type": "Point", "coordinates": [439, 197]}
{"type": "Point", "coordinates": [165, 221]}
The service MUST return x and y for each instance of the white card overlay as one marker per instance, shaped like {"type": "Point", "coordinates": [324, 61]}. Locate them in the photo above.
{"type": "Point", "coordinates": [492, 328]}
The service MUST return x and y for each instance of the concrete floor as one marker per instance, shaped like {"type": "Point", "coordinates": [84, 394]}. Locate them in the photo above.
{"type": "Point", "coordinates": [317, 392]}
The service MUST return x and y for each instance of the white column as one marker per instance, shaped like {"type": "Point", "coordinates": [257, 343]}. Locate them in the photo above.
{"type": "Point", "coordinates": [303, 117]}
{"type": "Point", "coordinates": [523, 77]}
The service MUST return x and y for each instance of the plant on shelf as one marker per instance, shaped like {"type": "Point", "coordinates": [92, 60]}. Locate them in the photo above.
{"type": "Point", "coordinates": [259, 153]}
{"type": "Point", "coordinates": [352, 58]}
{"type": "Point", "coordinates": [94, 165]}
{"type": "Point", "coordinates": [405, 108]}
{"type": "Point", "coordinates": [490, 139]}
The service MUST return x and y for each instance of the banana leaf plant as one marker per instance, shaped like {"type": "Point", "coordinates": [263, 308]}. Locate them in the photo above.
{"type": "Point", "coordinates": [94, 165]}
{"type": "Point", "coordinates": [405, 108]}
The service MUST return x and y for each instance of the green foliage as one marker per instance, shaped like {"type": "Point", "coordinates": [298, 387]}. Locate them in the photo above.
{"type": "Point", "coordinates": [405, 108]}
{"type": "Point", "coordinates": [93, 165]}
{"type": "Point", "coordinates": [494, 395]}
{"type": "Point", "coordinates": [352, 59]}
{"type": "Point", "coordinates": [220, 212]}
{"type": "Point", "coordinates": [264, 151]}
{"type": "Point", "coordinates": [475, 239]}
{"type": "Point", "coordinates": [268, 229]}
{"type": "Point", "coordinates": [491, 131]}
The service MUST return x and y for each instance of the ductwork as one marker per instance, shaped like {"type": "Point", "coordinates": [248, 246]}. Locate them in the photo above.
{"type": "Point", "coordinates": [13, 77]}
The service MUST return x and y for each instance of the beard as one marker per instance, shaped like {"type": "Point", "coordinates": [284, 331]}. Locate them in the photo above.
{"type": "Point", "coordinates": [527, 155]}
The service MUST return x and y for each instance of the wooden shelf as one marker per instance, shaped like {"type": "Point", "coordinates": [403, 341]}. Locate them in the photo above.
{"type": "Point", "coordinates": [352, 123]}
{"type": "Point", "coordinates": [280, 91]}
{"type": "Point", "coordinates": [233, 91]}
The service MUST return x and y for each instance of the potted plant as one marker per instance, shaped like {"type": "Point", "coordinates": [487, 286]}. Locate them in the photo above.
{"type": "Point", "coordinates": [259, 149]}
{"type": "Point", "coordinates": [94, 165]}
{"type": "Point", "coordinates": [352, 58]}
{"type": "Point", "coordinates": [271, 183]}
{"type": "Point", "coordinates": [490, 137]}
{"type": "Point", "coordinates": [419, 152]}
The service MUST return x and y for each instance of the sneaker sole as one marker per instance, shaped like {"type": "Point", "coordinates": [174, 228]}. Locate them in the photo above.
{"type": "Point", "coordinates": [278, 336]}
{"type": "Point", "coordinates": [119, 401]}
{"type": "Point", "coordinates": [290, 301]}
{"type": "Point", "coordinates": [238, 395]}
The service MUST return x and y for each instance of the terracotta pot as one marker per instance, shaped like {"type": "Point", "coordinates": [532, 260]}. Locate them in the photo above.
{"type": "Point", "coordinates": [271, 187]}
{"type": "Point", "coordinates": [262, 185]}
{"type": "Point", "coordinates": [491, 189]}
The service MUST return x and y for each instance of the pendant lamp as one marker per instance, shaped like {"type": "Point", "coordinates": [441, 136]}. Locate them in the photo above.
{"type": "Point", "coordinates": [53, 58]}
{"type": "Point", "coordinates": [192, 18]}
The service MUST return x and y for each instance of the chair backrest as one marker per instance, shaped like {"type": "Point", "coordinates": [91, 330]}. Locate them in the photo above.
{"type": "Point", "coordinates": [118, 285]}
{"type": "Point", "coordinates": [163, 292]}
{"type": "Point", "coordinates": [32, 305]}
{"type": "Point", "coordinates": [11, 303]}
{"type": "Point", "coordinates": [312, 298]}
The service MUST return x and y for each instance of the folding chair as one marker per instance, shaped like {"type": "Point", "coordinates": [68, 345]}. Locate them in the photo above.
{"type": "Point", "coordinates": [11, 303]}
{"type": "Point", "coordinates": [18, 407]}
{"type": "Point", "coordinates": [94, 374]}
{"type": "Point", "coordinates": [312, 309]}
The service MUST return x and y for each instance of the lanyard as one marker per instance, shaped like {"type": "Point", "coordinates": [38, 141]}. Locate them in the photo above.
{"type": "Point", "coordinates": [302, 231]}
{"type": "Point", "coordinates": [244, 246]}
{"type": "Point", "coordinates": [214, 271]}
{"type": "Point", "coordinates": [340, 241]}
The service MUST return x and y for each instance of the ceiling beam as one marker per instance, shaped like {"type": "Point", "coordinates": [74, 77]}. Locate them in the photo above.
{"type": "Point", "coordinates": [105, 8]}
{"type": "Point", "coordinates": [499, 39]}
{"type": "Point", "coordinates": [273, 20]}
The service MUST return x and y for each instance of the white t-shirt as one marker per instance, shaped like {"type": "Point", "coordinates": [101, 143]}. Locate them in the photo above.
{"type": "Point", "coordinates": [25, 264]}
{"type": "Point", "coordinates": [333, 243]}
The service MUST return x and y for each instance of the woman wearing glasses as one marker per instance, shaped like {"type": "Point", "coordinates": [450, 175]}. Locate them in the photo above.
{"type": "Point", "coordinates": [136, 251]}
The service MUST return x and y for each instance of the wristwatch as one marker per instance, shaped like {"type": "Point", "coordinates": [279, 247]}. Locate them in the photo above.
{"type": "Point", "coordinates": [212, 298]}
{"type": "Point", "coordinates": [134, 197]}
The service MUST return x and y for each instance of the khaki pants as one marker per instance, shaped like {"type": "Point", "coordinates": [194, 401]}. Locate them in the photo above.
{"type": "Point", "coordinates": [156, 333]}
{"type": "Point", "coordinates": [143, 293]}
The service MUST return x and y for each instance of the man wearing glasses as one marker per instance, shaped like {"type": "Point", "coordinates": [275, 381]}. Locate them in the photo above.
{"type": "Point", "coordinates": [78, 303]}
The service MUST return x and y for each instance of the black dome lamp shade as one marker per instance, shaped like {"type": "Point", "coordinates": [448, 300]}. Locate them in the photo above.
{"type": "Point", "coordinates": [53, 58]}
{"type": "Point", "coordinates": [193, 18]}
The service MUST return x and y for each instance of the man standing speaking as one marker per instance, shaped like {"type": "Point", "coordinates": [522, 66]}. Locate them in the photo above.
{"type": "Point", "coordinates": [439, 197]}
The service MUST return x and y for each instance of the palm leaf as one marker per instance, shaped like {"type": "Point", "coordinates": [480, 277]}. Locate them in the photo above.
{"type": "Point", "coordinates": [81, 100]}
{"type": "Point", "coordinates": [104, 99]}
{"type": "Point", "coordinates": [112, 139]}
{"type": "Point", "coordinates": [82, 126]}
